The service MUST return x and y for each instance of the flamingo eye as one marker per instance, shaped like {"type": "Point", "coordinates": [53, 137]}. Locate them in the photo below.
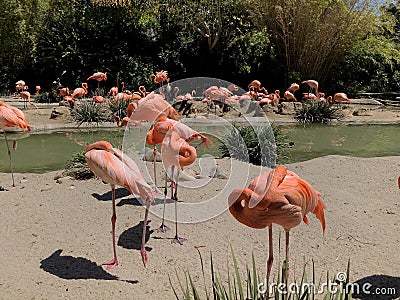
{"type": "Point", "coordinates": [243, 203]}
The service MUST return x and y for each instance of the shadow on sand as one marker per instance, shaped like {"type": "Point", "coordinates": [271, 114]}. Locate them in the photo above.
{"type": "Point", "coordinates": [377, 287]}
{"type": "Point", "coordinates": [122, 192]}
{"type": "Point", "coordinates": [132, 237]}
{"type": "Point", "coordinates": [69, 267]}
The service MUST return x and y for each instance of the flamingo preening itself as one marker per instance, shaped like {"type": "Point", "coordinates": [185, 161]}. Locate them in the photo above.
{"type": "Point", "coordinates": [279, 196]}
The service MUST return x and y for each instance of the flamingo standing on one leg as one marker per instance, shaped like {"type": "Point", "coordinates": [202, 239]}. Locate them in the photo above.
{"type": "Point", "coordinates": [116, 168]}
{"type": "Point", "coordinates": [278, 196]}
{"type": "Point", "coordinates": [12, 117]}
{"type": "Point", "coordinates": [176, 152]}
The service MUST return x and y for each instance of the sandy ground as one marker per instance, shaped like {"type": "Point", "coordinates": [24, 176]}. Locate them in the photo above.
{"type": "Point", "coordinates": [55, 236]}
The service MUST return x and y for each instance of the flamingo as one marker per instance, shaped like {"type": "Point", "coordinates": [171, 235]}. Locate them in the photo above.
{"type": "Point", "coordinates": [279, 196]}
{"type": "Point", "coordinates": [63, 92]}
{"type": "Point", "coordinates": [160, 77]}
{"type": "Point", "coordinates": [126, 97]}
{"type": "Point", "coordinates": [175, 152]}
{"type": "Point", "coordinates": [12, 117]}
{"type": "Point", "coordinates": [38, 88]}
{"type": "Point", "coordinates": [160, 129]}
{"type": "Point", "coordinates": [293, 87]}
{"type": "Point", "coordinates": [256, 85]}
{"type": "Point", "coordinates": [27, 97]}
{"type": "Point", "coordinates": [152, 107]}
{"type": "Point", "coordinates": [199, 117]}
{"type": "Point", "coordinates": [79, 92]}
{"type": "Point", "coordinates": [215, 93]}
{"type": "Point", "coordinates": [288, 95]}
{"type": "Point", "coordinates": [113, 166]}
{"type": "Point", "coordinates": [113, 91]}
{"type": "Point", "coordinates": [313, 84]}
{"type": "Point", "coordinates": [98, 99]}
{"type": "Point", "coordinates": [19, 85]}
{"type": "Point", "coordinates": [99, 76]}
{"type": "Point", "coordinates": [131, 107]}
{"type": "Point", "coordinates": [340, 97]}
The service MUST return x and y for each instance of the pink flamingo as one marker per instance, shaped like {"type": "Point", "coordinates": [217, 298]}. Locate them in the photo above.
{"type": "Point", "coordinates": [12, 117]}
{"type": "Point", "coordinates": [113, 91]}
{"type": "Point", "coordinates": [289, 96]}
{"type": "Point", "coordinates": [278, 196]}
{"type": "Point", "coordinates": [38, 88]}
{"type": "Point", "coordinates": [79, 92]}
{"type": "Point", "coordinates": [341, 97]}
{"type": "Point", "coordinates": [98, 76]}
{"type": "Point", "coordinates": [313, 84]}
{"type": "Point", "coordinates": [175, 152]}
{"type": "Point", "coordinates": [160, 77]}
{"type": "Point", "coordinates": [126, 97]}
{"type": "Point", "coordinates": [98, 99]}
{"type": "Point", "coordinates": [113, 166]}
{"type": "Point", "coordinates": [27, 97]}
{"type": "Point", "coordinates": [256, 85]}
{"type": "Point", "coordinates": [293, 87]}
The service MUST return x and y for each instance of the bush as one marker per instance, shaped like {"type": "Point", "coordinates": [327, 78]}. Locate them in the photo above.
{"type": "Point", "coordinates": [118, 108]}
{"type": "Point", "coordinates": [90, 112]}
{"type": "Point", "coordinates": [318, 112]}
{"type": "Point", "coordinates": [77, 167]}
{"type": "Point", "coordinates": [260, 145]}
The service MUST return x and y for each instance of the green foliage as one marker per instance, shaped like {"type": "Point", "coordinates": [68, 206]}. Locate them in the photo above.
{"type": "Point", "coordinates": [260, 145]}
{"type": "Point", "coordinates": [235, 286]}
{"type": "Point", "coordinates": [89, 112]}
{"type": "Point", "coordinates": [318, 112]}
{"type": "Point", "coordinates": [77, 167]}
{"type": "Point", "coordinates": [118, 108]}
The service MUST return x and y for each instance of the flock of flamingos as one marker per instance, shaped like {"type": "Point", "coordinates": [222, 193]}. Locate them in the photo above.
{"type": "Point", "coordinates": [278, 196]}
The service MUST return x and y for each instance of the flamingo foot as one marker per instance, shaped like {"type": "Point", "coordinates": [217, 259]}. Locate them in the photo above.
{"type": "Point", "coordinates": [111, 264]}
{"type": "Point", "coordinates": [178, 240]}
{"type": "Point", "coordinates": [163, 228]}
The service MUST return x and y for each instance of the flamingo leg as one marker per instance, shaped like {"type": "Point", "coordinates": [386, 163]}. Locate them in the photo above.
{"type": "Point", "coordinates": [177, 239]}
{"type": "Point", "coordinates": [143, 251]}
{"type": "Point", "coordinates": [114, 262]}
{"type": "Point", "coordinates": [269, 262]}
{"type": "Point", "coordinates": [163, 228]}
{"type": "Point", "coordinates": [155, 167]}
{"type": "Point", "coordinates": [9, 156]}
{"type": "Point", "coordinates": [285, 267]}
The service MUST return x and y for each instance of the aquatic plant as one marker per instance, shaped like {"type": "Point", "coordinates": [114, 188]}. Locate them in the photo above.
{"type": "Point", "coordinates": [260, 145]}
{"type": "Point", "coordinates": [318, 112]}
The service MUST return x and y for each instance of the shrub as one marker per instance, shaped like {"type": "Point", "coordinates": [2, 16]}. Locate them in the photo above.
{"type": "Point", "coordinates": [118, 108]}
{"type": "Point", "coordinates": [260, 145]}
{"type": "Point", "coordinates": [318, 112]}
{"type": "Point", "coordinates": [90, 112]}
{"type": "Point", "coordinates": [77, 167]}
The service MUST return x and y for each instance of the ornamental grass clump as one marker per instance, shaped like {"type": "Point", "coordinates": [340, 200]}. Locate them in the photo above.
{"type": "Point", "coordinates": [260, 144]}
{"type": "Point", "coordinates": [318, 112]}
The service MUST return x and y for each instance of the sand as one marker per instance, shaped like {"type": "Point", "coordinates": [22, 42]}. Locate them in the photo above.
{"type": "Point", "coordinates": [55, 236]}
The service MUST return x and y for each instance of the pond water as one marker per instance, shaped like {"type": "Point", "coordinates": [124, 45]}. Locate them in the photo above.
{"type": "Point", "coordinates": [50, 151]}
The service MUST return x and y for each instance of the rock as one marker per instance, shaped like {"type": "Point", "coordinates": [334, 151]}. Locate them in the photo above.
{"type": "Point", "coordinates": [362, 112]}
{"type": "Point", "coordinates": [58, 175]}
{"type": "Point", "coordinates": [217, 172]}
{"type": "Point", "coordinates": [148, 155]}
{"type": "Point", "coordinates": [64, 179]}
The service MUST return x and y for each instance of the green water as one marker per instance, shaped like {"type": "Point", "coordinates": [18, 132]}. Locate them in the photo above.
{"type": "Point", "coordinates": [46, 152]}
